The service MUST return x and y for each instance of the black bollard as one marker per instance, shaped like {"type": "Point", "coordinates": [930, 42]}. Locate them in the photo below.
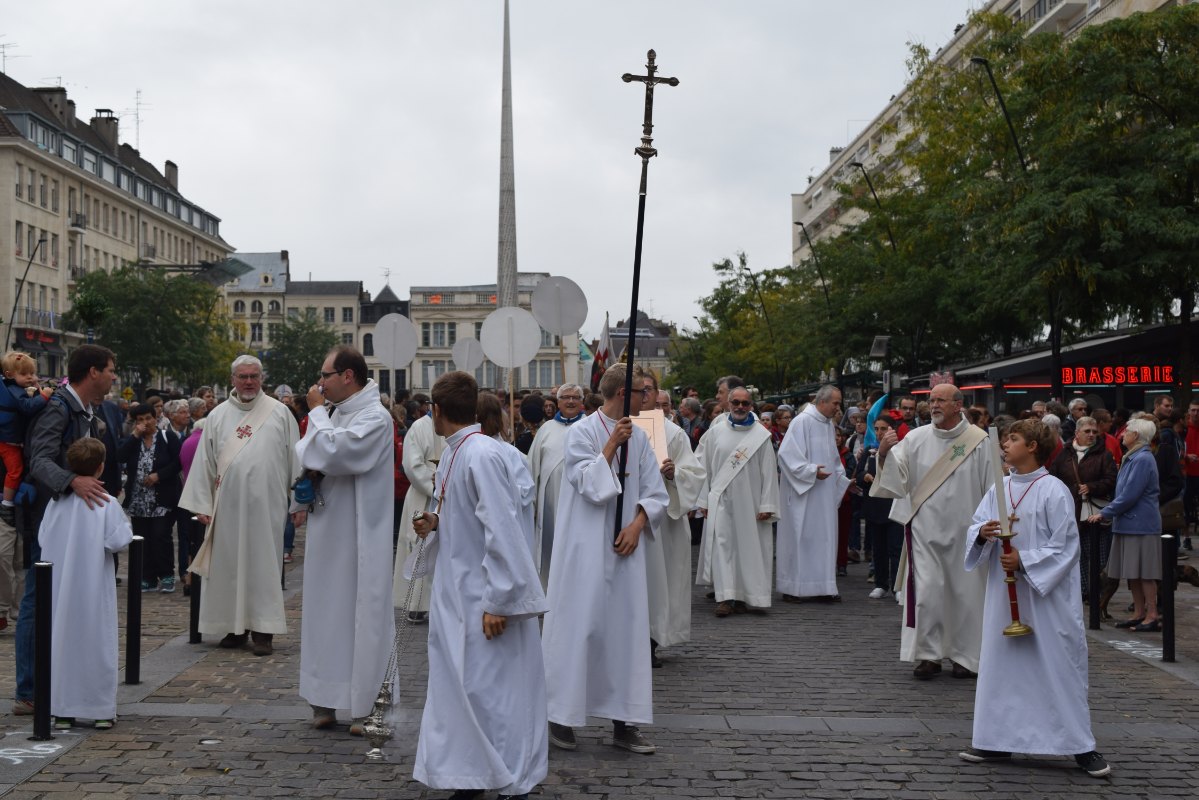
{"type": "Point", "coordinates": [1095, 533]}
{"type": "Point", "coordinates": [196, 582]}
{"type": "Point", "coordinates": [43, 572]}
{"type": "Point", "coordinates": [133, 614]}
{"type": "Point", "coordinates": [1169, 560]}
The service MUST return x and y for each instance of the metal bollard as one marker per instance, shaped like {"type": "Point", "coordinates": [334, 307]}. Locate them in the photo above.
{"type": "Point", "coordinates": [1169, 568]}
{"type": "Point", "coordinates": [1095, 533]}
{"type": "Point", "coordinates": [194, 625]}
{"type": "Point", "coordinates": [43, 572]}
{"type": "Point", "coordinates": [133, 613]}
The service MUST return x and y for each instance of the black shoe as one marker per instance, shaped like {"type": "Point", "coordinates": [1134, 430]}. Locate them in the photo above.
{"type": "Point", "coordinates": [562, 737]}
{"type": "Point", "coordinates": [1130, 623]}
{"type": "Point", "coordinates": [841, 572]}
{"type": "Point", "coordinates": [466, 794]}
{"type": "Point", "coordinates": [233, 640]}
{"type": "Point", "coordinates": [961, 672]}
{"type": "Point", "coordinates": [925, 670]}
{"type": "Point", "coordinates": [1093, 764]}
{"type": "Point", "coordinates": [978, 756]}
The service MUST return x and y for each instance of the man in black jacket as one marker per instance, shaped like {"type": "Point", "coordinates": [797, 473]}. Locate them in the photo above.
{"type": "Point", "coordinates": [68, 416]}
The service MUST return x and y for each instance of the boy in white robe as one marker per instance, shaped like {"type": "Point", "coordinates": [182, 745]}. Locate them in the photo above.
{"type": "Point", "coordinates": [80, 541]}
{"type": "Point", "coordinates": [1032, 689]}
{"type": "Point", "coordinates": [484, 722]}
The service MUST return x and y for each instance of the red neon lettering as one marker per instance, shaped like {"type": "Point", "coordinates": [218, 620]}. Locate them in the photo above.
{"type": "Point", "coordinates": [1107, 375]}
{"type": "Point", "coordinates": [1132, 374]}
{"type": "Point", "coordinates": [1093, 377]}
{"type": "Point", "coordinates": [1067, 375]}
{"type": "Point", "coordinates": [1120, 378]}
{"type": "Point", "coordinates": [1168, 374]}
{"type": "Point", "coordinates": [1080, 374]}
{"type": "Point", "coordinates": [1146, 375]}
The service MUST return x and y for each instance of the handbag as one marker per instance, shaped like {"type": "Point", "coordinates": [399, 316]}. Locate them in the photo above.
{"type": "Point", "coordinates": [1173, 514]}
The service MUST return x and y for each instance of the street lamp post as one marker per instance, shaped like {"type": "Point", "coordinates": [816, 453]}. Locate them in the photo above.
{"type": "Point", "coordinates": [769, 328]}
{"type": "Point", "coordinates": [17, 298]}
{"type": "Point", "coordinates": [823, 285]}
{"type": "Point", "coordinates": [1051, 298]}
{"type": "Point", "coordinates": [877, 203]}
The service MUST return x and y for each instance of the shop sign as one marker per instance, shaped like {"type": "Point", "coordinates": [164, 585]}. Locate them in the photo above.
{"type": "Point", "coordinates": [1118, 374]}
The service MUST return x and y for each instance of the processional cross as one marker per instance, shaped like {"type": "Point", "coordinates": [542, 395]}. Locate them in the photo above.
{"type": "Point", "coordinates": [646, 151]}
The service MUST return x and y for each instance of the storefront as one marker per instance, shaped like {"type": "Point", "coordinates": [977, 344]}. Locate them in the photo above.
{"type": "Point", "coordinates": [45, 347]}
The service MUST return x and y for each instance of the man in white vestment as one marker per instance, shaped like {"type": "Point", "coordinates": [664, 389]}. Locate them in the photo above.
{"type": "Point", "coordinates": [741, 498]}
{"type": "Point", "coordinates": [596, 636]}
{"type": "Point", "coordinates": [545, 465]}
{"type": "Point", "coordinates": [937, 475]}
{"type": "Point", "coordinates": [238, 486]}
{"type": "Point", "coordinates": [422, 451]}
{"type": "Point", "coordinates": [1032, 689]}
{"type": "Point", "coordinates": [668, 552]}
{"type": "Point", "coordinates": [813, 481]}
{"type": "Point", "coordinates": [484, 721]}
{"type": "Point", "coordinates": [348, 622]}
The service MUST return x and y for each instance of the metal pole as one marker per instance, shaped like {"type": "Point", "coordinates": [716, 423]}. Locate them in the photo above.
{"type": "Point", "coordinates": [1095, 534]}
{"type": "Point", "coordinates": [1169, 560]}
{"type": "Point", "coordinates": [877, 202]}
{"type": "Point", "coordinates": [133, 612]}
{"type": "Point", "coordinates": [43, 576]}
{"type": "Point", "coordinates": [194, 622]}
{"type": "Point", "coordinates": [20, 286]}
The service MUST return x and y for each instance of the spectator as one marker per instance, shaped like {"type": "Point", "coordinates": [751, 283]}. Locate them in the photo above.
{"type": "Point", "coordinates": [532, 414]}
{"type": "Point", "coordinates": [197, 408]}
{"type": "Point", "coordinates": [1054, 423]}
{"type": "Point", "coordinates": [884, 536]}
{"type": "Point", "coordinates": [205, 393]}
{"type": "Point", "coordinates": [1089, 472]}
{"type": "Point", "coordinates": [1191, 470]}
{"type": "Point", "coordinates": [690, 414]}
{"type": "Point", "coordinates": [781, 422]}
{"type": "Point", "coordinates": [592, 403]}
{"type": "Point", "coordinates": [152, 467]}
{"type": "Point", "coordinates": [1103, 418]}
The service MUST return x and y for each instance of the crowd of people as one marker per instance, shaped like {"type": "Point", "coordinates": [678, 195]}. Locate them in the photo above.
{"type": "Point", "coordinates": [559, 507]}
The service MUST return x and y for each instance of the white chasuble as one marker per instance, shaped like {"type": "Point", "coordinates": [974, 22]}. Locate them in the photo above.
{"type": "Point", "coordinates": [243, 590]}
{"type": "Point", "coordinates": [1032, 690]}
{"type": "Point", "coordinates": [740, 480]}
{"type": "Point", "coordinates": [545, 465]}
{"type": "Point", "coordinates": [596, 634]}
{"type": "Point", "coordinates": [807, 536]}
{"type": "Point", "coordinates": [668, 551]}
{"type": "Point", "coordinates": [484, 721]}
{"type": "Point", "coordinates": [942, 603]}
{"type": "Point", "coordinates": [422, 451]}
{"type": "Point", "coordinates": [79, 542]}
{"type": "Point", "coordinates": [348, 622]}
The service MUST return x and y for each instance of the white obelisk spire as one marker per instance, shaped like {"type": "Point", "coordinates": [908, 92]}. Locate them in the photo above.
{"type": "Point", "coordinates": [506, 276]}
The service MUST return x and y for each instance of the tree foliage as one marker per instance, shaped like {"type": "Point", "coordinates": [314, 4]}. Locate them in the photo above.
{"type": "Point", "coordinates": [157, 324]}
{"type": "Point", "coordinates": [297, 353]}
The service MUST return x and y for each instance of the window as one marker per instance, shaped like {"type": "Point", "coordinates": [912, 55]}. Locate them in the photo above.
{"type": "Point", "coordinates": [426, 328]}
{"type": "Point", "coordinates": [71, 201]}
{"type": "Point", "coordinates": [43, 195]}
{"type": "Point", "coordinates": [43, 255]}
{"type": "Point", "coordinates": [32, 180]}
{"type": "Point", "coordinates": [273, 330]}
{"type": "Point", "coordinates": [54, 249]}
{"type": "Point", "coordinates": [54, 196]}
{"type": "Point", "coordinates": [273, 307]}
{"type": "Point", "coordinates": [293, 313]}
{"type": "Point", "coordinates": [18, 237]}
{"type": "Point", "coordinates": [368, 347]}
{"type": "Point", "coordinates": [347, 314]}
{"type": "Point", "coordinates": [439, 335]}
{"type": "Point", "coordinates": [310, 314]}
{"type": "Point", "coordinates": [432, 370]}
{"type": "Point", "coordinates": [256, 307]}
{"type": "Point", "coordinates": [69, 151]}
{"type": "Point", "coordinates": [109, 171]}
{"type": "Point", "coordinates": [239, 306]}
{"type": "Point", "coordinates": [329, 315]}
{"type": "Point", "coordinates": [487, 374]}
{"type": "Point", "coordinates": [478, 331]}
{"type": "Point", "coordinates": [20, 180]}
{"type": "Point", "coordinates": [104, 224]}
{"type": "Point", "coordinates": [126, 182]}
{"type": "Point", "coordinates": [347, 338]}
{"type": "Point", "coordinates": [89, 162]}
{"type": "Point", "coordinates": [549, 339]}
{"type": "Point", "coordinates": [255, 331]}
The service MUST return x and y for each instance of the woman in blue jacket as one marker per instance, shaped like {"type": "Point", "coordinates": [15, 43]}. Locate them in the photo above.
{"type": "Point", "coordinates": [1136, 526]}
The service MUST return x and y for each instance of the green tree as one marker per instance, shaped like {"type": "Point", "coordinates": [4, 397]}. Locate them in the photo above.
{"type": "Point", "coordinates": [157, 324]}
{"type": "Point", "coordinates": [297, 353]}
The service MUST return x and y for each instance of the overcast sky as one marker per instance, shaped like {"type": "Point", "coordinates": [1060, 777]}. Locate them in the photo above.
{"type": "Point", "coordinates": [363, 135]}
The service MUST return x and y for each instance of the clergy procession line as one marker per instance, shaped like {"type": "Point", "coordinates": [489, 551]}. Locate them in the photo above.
{"type": "Point", "coordinates": [543, 608]}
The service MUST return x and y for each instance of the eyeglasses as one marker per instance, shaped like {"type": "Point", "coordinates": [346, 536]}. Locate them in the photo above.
{"type": "Point", "coordinates": [569, 398]}
{"type": "Point", "coordinates": [1089, 431]}
{"type": "Point", "coordinates": [741, 403]}
{"type": "Point", "coordinates": [254, 377]}
{"type": "Point", "coordinates": [328, 375]}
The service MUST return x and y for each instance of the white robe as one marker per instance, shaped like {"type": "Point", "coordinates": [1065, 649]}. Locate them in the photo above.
{"type": "Point", "coordinates": [737, 550]}
{"type": "Point", "coordinates": [348, 622]}
{"type": "Point", "coordinates": [545, 465]}
{"type": "Point", "coordinates": [422, 451]}
{"type": "Point", "coordinates": [807, 537]}
{"type": "Point", "coordinates": [243, 590]}
{"type": "Point", "coordinates": [1032, 690]}
{"type": "Point", "coordinates": [942, 617]}
{"type": "Point", "coordinates": [79, 542]}
{"type": "Point", "coordinates": [596, 635]}
{"type": "Point", "coordinates": [668, 551]}
{"type": "Point", "coordinates": [484, 722]}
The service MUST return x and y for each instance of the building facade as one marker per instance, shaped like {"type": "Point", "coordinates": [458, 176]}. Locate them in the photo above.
{"type": "Point", "coordinates": [370, 312]}
{"type": "Point", "coordinates": [445, 314]}
{"type": "Point", "coordinates": [79, 200]}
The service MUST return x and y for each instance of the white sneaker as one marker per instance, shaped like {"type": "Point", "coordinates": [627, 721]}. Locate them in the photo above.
{"type": "Point", "coordinates": [878, 593]}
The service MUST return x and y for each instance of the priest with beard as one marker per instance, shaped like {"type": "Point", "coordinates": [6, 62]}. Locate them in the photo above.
{"type": "Point", "coordinates": [484, 722]}
{"type": "Point", "coordinates": [238, 486]}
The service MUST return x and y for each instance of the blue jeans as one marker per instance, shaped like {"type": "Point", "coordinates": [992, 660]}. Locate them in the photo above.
{"type": "Point", "coordinates": [289, 535]}
{"type": "Point", "coordinates": [24, 637]}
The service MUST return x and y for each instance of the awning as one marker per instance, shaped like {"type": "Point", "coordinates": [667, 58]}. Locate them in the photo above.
{"type": "Point", "coordinates": [54, 348]}
{"type": "Point", "coordinates": [29, 345]}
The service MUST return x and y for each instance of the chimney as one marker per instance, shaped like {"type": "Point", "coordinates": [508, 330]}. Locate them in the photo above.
{"type": "Point", "coordinates": [105, 125]}
{"type": "Point", "coordinates": [833, 152]}
{"type": "Point", "coordinates": [56, 98]}
{"type": "Point", "coordinates": [172, 175]}
{"type": "Point", "coordinates": [70, 113]}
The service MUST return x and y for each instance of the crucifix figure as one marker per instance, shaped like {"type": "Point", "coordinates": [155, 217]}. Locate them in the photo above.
{"type": "Point", "coordinates": [646, 151]}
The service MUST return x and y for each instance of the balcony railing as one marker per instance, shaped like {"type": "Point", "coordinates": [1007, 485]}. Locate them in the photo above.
{"type": "Point", "coordinates": [38, 318]}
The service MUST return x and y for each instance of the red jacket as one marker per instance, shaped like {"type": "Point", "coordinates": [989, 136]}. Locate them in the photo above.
{"type": "Point", "coordinates": [1191, 468]}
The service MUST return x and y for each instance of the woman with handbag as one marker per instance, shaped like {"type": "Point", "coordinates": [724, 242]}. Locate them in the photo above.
{"type": "Point", "coordinates": [1136, 524]}
{"type": "Point", "coordinates": [1089, 472]}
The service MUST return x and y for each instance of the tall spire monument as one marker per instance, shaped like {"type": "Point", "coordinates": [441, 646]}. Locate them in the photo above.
{"type": "Point", "coordinates": [506, 277]}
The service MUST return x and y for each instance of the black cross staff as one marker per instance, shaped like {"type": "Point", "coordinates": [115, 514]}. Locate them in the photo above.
{"type": "Point", "coordinates": [646, 151]}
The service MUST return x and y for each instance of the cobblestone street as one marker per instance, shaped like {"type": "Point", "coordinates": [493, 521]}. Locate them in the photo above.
{"type": "Point", "coordinates": [808, 701]}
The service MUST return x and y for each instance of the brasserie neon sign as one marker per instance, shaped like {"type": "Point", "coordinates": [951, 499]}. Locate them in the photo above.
{"type": "Point", "coordinates": [1120, 374]}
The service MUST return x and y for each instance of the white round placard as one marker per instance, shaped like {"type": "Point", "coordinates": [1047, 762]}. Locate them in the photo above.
{"type": "Point", "coordinates": [395, 341]}
{"type": "Point", "coordinates": [510, 337]}
{"type": "Point", "coordinates": [559, 305]}
{"type": "Point", "coordinates": [467, 354]}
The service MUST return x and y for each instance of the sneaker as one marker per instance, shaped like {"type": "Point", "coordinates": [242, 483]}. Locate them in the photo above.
{"type": "Point", "coordinates": [167, 585]}
{"type": "Point", "coordinates": [878, 593]}
{"type": "Point", "coordinates": [103, 724]}
{"type": "Point", "coordinates": [22, 708]}
{"type": "Point", "coordinates": [562, 736]}
{"type": "Point", "coordinates": [979, 756]}
{"type": "Point", "coordinates": [64, 723]}
{"type": "Point", "coordinates": [287, 558]}
{"type": "Point", "coordinates": [1093, 764]}
{"type": "Point", "coordinates": [148, 586]}
{"type": "Point", "coordinates": [629, 738]}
